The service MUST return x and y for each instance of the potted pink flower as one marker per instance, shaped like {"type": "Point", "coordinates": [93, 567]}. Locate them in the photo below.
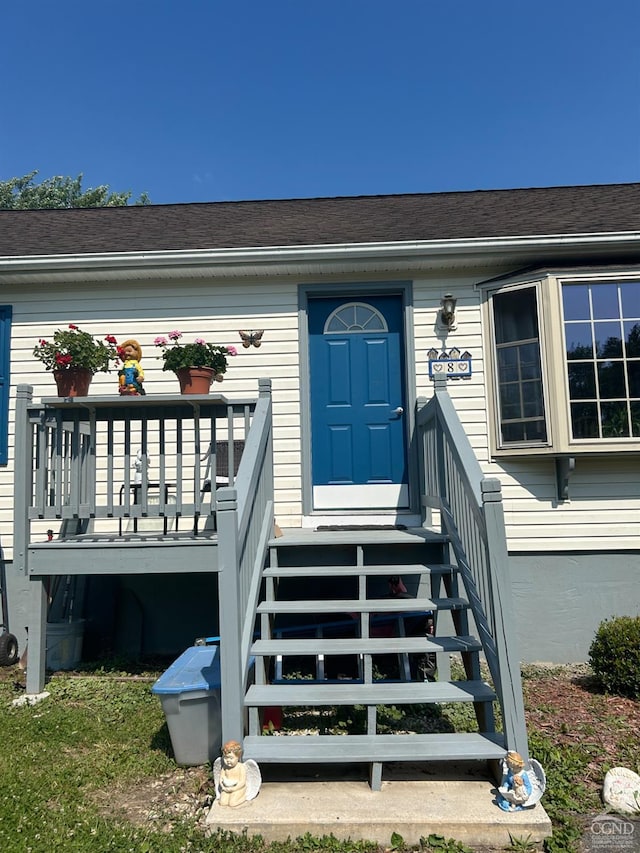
{"type": "Point", "coordinates": [195, 364]}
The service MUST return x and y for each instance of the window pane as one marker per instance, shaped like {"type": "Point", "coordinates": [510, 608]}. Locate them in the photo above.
{"type": "Point", "coordinates": [510, 405]}
{"type": "Point", "coordinates": [533, 431]}
{"type": "Point", "coordinates": [615, 420]}
{"type": "Point", "coordinates": [516, 316]}
{"type": "Point", "coordinates": [508, 364]}
{"type": "Point", "coordinates": [632, 339]}
{"type": "Point", "coordinates": [347, 315]}
{"type": "Point", "coordinates": [633, 375]}
{"type": "Point", "coordinates": [582, 381]}
{"type": "Point", "coordinates": [611, 380]}
{"type": "Point", "coordinates": [365, 317]}
{"type": "Point", "coordinates": [336, 324]}
{"type": "Point", "coordinates": [635, 419]}
{"type": "Point", "coordinates": [630, 293]}
{"type": "Point", "coordinates": [605, 301]}
{"type": "Point", "coordinates": [532, 402]}
{"type": "Point", "coordinates": [512, 433]}
{"type": "Point", "coordinates": [584, 420]}
{"type": "Point", "coordinates": [608, 340]}
{"type": "Point", "coordinates": [510, 394]}
{"type": "Point", "coordinates": [579, 340]}
{"type": "Point", "coordinates": [575, 301]}
{"type": "Point", "coordinates": [360, 315]}
{"type": "Point", "coordinates": [529, 361]}
{"type": "Point", "coordinates": [521, 382]}
{"type": "Point", "coordinates": [520, 397]}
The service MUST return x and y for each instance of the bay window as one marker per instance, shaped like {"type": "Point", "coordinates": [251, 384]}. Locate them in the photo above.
{"type": "Point", "coordinates": [565, 357]}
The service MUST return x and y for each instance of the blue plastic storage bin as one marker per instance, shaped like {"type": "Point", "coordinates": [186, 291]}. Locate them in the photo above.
{"type": "Point", "coordinates": [190, 695]}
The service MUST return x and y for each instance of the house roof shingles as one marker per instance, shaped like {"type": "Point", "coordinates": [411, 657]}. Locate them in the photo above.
{"type": "Point", "coordinates": [608, 208]}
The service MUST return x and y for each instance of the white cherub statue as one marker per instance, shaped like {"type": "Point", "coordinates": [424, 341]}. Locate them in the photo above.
{"type": "Point", "coordinates": [236, 781]}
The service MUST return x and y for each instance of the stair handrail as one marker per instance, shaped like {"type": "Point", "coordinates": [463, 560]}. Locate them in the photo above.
{"type": "Point", "coordinates": [245, 518]}
{"type": "Point", "coordinates": [471, 514]}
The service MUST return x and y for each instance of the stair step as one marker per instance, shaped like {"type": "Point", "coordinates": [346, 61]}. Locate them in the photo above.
{"type": "Point", "coordinates": [363, 605]}
{"type": "Point", "coordinates": [363, 536]}
{"type": "Point", "coordinates": [369, 571]}
{"type": "Point", "coordinates": [358, 646]}
{"type": "Point", "coordinates": [401, 693]}
{"type": "Point", "coordinates": [326, 749]}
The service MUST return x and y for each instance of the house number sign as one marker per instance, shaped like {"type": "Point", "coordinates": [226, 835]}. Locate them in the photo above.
{"type": "Point", "coordinates": [452, 364]}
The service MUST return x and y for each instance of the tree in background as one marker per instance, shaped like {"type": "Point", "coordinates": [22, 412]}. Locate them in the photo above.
{"type": "Point", "coordinates": [60, 191]}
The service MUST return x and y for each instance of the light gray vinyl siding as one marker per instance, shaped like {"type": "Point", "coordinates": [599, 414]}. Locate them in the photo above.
{"type": "Point", "coordinates": [215, 311]}
{"type": "Point", "coordinates": [602, 514]}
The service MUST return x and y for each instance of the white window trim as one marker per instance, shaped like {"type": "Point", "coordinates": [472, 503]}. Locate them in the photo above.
{"type": "Point", "coordinates": [548, 283]}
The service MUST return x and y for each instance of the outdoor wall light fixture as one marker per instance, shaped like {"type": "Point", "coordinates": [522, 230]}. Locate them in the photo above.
{"type": "Point", "coordinates": [448, 311]}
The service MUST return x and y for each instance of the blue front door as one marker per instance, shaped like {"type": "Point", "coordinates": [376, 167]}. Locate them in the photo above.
{"type": "Point", "coordinates": [358, 428]}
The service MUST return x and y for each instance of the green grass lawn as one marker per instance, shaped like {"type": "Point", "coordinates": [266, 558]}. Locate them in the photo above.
{"type": "Point", "coordinates": [73, 765]}
{"type": "Point", "coordinates": [85, 770]}
{"type": "Point", "coordinates": [92, 734]}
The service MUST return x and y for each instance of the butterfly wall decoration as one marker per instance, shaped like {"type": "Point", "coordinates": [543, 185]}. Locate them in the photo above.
{"type": "Point", "coordinates": [252, 339]}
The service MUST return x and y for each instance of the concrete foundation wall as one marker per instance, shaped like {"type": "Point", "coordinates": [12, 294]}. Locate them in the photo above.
{"type": "Point", "coordinates": [560, 599]}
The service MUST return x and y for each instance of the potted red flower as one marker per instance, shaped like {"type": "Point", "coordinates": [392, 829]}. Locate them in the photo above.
{"type": "Point", "coordinates": [73, 356]}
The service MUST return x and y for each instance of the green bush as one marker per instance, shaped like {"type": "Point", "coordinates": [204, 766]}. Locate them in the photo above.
{"type": "Point", "coordinates": [615, 655]}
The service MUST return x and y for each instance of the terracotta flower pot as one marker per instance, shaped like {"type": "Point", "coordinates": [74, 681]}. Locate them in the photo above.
{"type": "Point", "coordinates": [73, 382]}
{"type": "Point", "coordinates": [195, 380]}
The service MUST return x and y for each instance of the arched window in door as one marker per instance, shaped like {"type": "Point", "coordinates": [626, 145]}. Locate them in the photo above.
{"type": "Point", "coordinates": [355, 318]}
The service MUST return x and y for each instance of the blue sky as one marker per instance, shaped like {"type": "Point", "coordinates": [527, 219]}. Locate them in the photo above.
{"type": "Point", "coordinates": [200, 100]}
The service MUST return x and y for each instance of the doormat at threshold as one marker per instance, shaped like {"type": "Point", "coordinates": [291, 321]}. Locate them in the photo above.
{"type": "Point", "coordinates": [361, 527]}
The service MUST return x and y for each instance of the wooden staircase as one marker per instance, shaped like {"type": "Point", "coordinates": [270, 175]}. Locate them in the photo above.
{"type": "Point", "coordinates": [329, 635]}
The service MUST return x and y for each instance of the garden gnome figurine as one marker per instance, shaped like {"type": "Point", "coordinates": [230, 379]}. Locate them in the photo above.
{"type": "Point", "coordinates": [236, 781]}
{"type": "Point", "coordinates": [131, 374]}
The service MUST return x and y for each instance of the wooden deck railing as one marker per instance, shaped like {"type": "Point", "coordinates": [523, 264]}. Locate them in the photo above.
{"type": "Point", "coordinates": [470, 512]}
{"type": "Point", "coordinates": [97, 470]}
{"type": "Point", "coordinates": [100, 464]}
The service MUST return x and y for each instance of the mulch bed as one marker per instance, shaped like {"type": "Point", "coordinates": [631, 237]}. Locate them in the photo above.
{"type": "Point", "coordinates": [569, 707]}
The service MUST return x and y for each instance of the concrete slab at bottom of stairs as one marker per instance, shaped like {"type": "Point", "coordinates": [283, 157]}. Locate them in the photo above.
{"type": "Point", "coordinates": [413, 802]}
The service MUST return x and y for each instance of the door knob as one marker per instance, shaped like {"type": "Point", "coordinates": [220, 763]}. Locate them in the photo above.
{"type": "Point", "coordinates": [399, 411]}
